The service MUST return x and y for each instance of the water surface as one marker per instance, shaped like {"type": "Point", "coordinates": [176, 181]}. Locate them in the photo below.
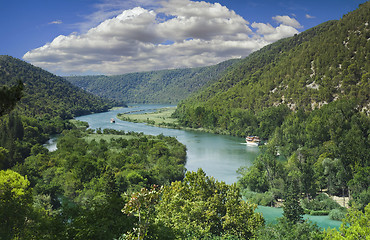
{"type": "Point", "coordinates": [218, 155]}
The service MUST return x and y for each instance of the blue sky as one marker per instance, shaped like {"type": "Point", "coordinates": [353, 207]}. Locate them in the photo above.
{"type": "Point", "coordinates": [113, 37]}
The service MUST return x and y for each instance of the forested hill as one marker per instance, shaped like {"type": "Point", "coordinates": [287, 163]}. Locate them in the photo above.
{"type": "Point", "coordinates": [321, 65]}
{"type": "Point", "coordinates": [164, 86]}
{"type": "Point", "coordinates": [45, 93]}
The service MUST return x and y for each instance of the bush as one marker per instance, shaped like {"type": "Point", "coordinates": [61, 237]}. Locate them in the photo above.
{"type": "Point", "coordinates": [319, 213]}
{"type": "Point", "coordinates": [263, 199]}
{"type": "Point", "coordinates": [337, 214]}
{"type": "Point", "coordinates": [321, 203]}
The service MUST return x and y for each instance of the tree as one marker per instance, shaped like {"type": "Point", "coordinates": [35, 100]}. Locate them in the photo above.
{"type": "Point", "coordinates": [142, 205]}
{"type": "Point", "coordinates": [356, 225]}
{"type": "Point", "coordinates": [9, 96]}
{"type": "Point", "coordinates": [292, 209]}
{"type": "Point", "coordinates": [15, 203]}
{"type": "Point", "coordinates": [200, 206]}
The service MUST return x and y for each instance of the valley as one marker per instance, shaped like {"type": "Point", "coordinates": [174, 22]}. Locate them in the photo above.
{"type": "Point", "coordinates": [163, 154]}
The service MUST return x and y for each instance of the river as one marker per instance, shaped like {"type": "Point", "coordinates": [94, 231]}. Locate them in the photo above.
{"type": "Point", "coordinates": [218, 155]}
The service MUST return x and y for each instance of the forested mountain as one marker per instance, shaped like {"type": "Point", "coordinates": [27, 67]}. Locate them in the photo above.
{"type": "Point", "coordinates": [164, 86]}
{"type": "Point", "coordinates": [308, 96]}
{"type": "Point", "coordinates": [45, 93]}
{"type": "Point", "coordinates": [321, 65]}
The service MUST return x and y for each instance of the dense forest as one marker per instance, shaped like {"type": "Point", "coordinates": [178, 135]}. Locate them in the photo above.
{"type": "Point", "coordinates": [47, 94]}
{"type": "Point", "coordinates": [321, 65]}
{"type": "Point", "coordinates": [164, 86]}
{"type": "Point", "coordinates": [307, 97]}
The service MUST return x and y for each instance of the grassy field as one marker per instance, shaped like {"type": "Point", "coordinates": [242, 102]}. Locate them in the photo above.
{"type": "Point", "coordinates": [106, 137]}
{"type": "Point", "coordinates": [79, 124]}
{"type": "Point", "coordinates": [162, 117]}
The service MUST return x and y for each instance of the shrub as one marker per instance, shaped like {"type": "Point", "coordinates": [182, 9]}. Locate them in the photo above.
{"type": "Point", "coordinates": [319, 213]}
{"type": "Point", "coordinates": [337, 214]}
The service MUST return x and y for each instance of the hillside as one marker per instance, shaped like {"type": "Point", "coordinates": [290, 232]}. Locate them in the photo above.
{"type": "Point", "coordinates": [323, 64]}
{"type": "Point", "coordinates": [45, 93]}
{"type": "Point", "coordinates": [164, 86]}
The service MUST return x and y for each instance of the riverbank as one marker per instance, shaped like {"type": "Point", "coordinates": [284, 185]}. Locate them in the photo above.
{"type": "Point", "coordinates": [163, 118]}
{"type": "Point", "coordinates": [159, 118]}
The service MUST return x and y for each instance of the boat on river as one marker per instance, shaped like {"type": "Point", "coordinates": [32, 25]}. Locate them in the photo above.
{"type": "Point", "coordinates": [253, 140]}
{"type": "Point", "coordinates": [112, 120]}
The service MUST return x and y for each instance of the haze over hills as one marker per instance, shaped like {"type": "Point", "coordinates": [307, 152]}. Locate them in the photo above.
{"type": "Point", "coordinates": [46, 93]}
{"type": "Point", "coordinates": [163, 86]}
{"type": "Point", "coordinates": [323, 64]}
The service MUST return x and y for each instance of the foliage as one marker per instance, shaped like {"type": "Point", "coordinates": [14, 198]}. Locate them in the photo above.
{"type": "Point", "coordinates": [142, 204]}
{"type": "Point", "coordinates": [264, 199]}
{"type": "Point", "coordinates": [293, 212]}
{"type": "Point", "coordinates": [322, 202]}
{"type": "Point", "coordinates": [45, 94]}
{"type": "Point", "coordinates": [199, 206]}
{"type": "Point", "coordinates": [323, 64]}
{"type": "Point", "coordinates": [15, 204]}
{"type": "Point", "coordinates": [337, 214]}
{"type": "Point", "coordinates": [356, 225]}
{"type": "Point", "coordinates": [22, 136]}
{"type": "Point", "coordinates": [164, 86]}
{"type": "Point", "coordinates": [286, 230]}
{"type": "Point", "coordinates": [9, 97]}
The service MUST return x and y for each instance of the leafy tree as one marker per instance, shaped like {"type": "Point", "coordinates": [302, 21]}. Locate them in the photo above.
{"type": "Point", "coordinates": [285, 230]}
{"type": "Point", "coordinates": [142, 205]}
{"type": "Point", "coordinates": [356, 225]}
{"type": "Point", "coordinates": [293, 211]}
{"type": "Point", "coordinates": [199, 206]}
{"type": "Point", "coordinates": [9, 97]}
{"type": "Point", "coordinates": [15, 204]}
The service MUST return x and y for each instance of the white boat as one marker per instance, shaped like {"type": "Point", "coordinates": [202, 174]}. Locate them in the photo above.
{"type": "Point", "coordinates": [112, 120]}
{"type": "Point", "coordinates": [253, 140]}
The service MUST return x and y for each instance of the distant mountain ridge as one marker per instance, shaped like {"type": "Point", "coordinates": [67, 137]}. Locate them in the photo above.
{"type": "Point", "coordinates": [45, 93]}
{"type": "Point", "coordinates": [323, 64]}
{"type": "Point", "coordinates": [163, 86]}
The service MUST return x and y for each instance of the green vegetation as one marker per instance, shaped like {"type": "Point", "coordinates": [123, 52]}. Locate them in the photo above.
{"type": "Point", "coordinates": [79, 186]}
{"type": "Point", "coordinates": [162, 117]}
{"type": "Point", "coordinates": [164, 86]}
{"type": "Point", "coordinates": [9, 97]}
{"type": "Point", "coordinates": [356, 225]}
{"type": "Point", "coordinates": [308, 95]}
{"type": "Point", "coordinates": [199, 207]}
{"type": "Point", "coordinates": [45, 94]}
{"type": "Point", "coordinates": [323, 64]}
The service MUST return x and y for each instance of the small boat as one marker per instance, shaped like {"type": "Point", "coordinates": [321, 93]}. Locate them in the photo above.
{"type": "Point", "coordinates": [112, 120]}
{"type": "Point", "coordinates": [253, 140]}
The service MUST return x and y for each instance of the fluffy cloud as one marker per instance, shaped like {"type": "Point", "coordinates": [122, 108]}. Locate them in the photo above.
{"type": "Point", "coordinates": [179, 33]}
{"type": "Point", "coordinates": [288, 21]}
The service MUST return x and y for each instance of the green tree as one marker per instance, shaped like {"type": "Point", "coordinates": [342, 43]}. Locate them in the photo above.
{"type": "Point", "coordinates": [200, 206]}
{"type": "Point", "coordinates": [142, 205]}
{"type": "Point", "coordinates": [356, 225]}
{"type": "Point", "coordinates": [15, 204]}
{"type": "Point", "coordinates": [293, 211]}
{"type": "Point", "coordinates": [9, 96]}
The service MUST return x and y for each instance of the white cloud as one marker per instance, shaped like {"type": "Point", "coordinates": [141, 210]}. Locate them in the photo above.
{"type": "Point", "coordinates": [180, 33]}
{"type": "Point", "coordinates": [56, 22]}
{"type": "Point", "coordinates": [308, 16]}
{"type": "Point", "coordinates": [288, 21]}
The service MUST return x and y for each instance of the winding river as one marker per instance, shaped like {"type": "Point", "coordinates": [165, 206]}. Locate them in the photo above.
{"type": "Point", "coordinates": [218, 155]}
